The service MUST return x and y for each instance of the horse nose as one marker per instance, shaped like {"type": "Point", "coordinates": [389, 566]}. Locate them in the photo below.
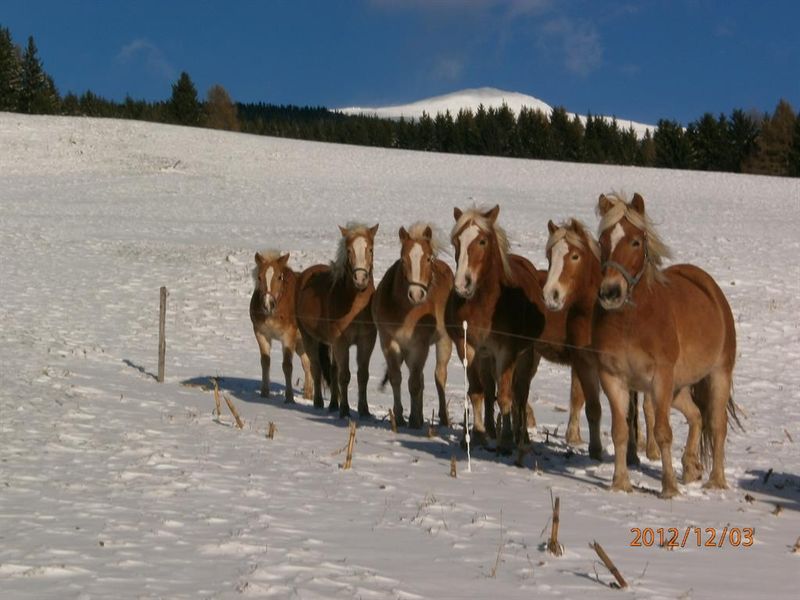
{"type": "Point", "coordinates": [610, 292]}
{"type": "Point", "coordinates": [555, 295]}
{"type": "Point", "coordinates": [269, 303]}
{"type": "Point", "coordinates": [468, 280]}
{"type": "Point", "coordinates": [416, 295]}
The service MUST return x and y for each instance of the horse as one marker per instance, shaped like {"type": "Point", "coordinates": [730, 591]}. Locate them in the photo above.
{"type": "Point", "coordinates": [408, 310]}
{"type": "Point", "coordinates": [669, 333]}
{"type": "Point", "coordinates": [333, 310]}
{"type": "Point", "coordinates": [272, 313]}
{"type": "Point", "coordinates": [497, 293]}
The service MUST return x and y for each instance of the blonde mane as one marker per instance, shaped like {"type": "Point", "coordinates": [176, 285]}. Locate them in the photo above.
{"type": "Point", "coordinates": [269, 255]}
{"type": "Point", "coordinates": [657, 250]}
{"type": "Point", "coordinates": [576, 234]}
{"type": "Point", "coordinates": [475, 214]}
{"type": "Point", "coordinates": [417, 233]}
{"type": "Point", "coordinates": [339, 264]}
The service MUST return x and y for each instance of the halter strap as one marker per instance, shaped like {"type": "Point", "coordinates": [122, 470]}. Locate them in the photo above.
{"type": "Point", "coordinates": [632, 280]}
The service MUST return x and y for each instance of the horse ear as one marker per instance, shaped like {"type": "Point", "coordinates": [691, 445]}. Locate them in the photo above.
{"type": "Point", "coordinates": [637, 203]}
{"type": "Point", "coordinates": [457, 212]}
{"type": "Point", "coordinates": [491, 215]}
{"type": "Point", "coordinates": [373, 230]}
{"type": "Point", "coordinates": [284, 259]}
{"type": "Point", "coordinates": [259, 259]}
{"type": "Point", "coordinates": [403, 234]}
{"type": "Point", "coordinates": [551, 227]}
{"type": "Point", "coordinates": [603, 204]}
{"type": "Point", "coordinates": [428, 233]}
{"type": "Point", "coordinates": [343, 230]}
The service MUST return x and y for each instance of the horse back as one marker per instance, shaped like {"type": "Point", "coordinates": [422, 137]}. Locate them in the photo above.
{"type": "Point", "coordinates": [312, 288]}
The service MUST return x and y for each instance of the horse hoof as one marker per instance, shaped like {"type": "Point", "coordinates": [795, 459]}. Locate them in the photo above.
{"type": "Point", "coordinates": [632, 460]}
{"type": "Point", "coordinates": [365, 416]}
{"type": "Point", "coordinates": [265, 393]}
{"type": "Point", "coordinates": [622, 486]}
{"type": "Point", "coordinates": [596, 452]}
{"type": "Point", "coordinates": [289, 401]}
{"type": "Point", "coordinates": [344, 412]}
{"type": "Point", "coordinates": [692, 473]}
{"type": "Point", "coordinates": [444, 421]}
{"type": "Point", "coordinates": [333, 407]}
{"type": "Point", "coordinates": [400, 420]}
{"type": "Point", "coordinates": [415, 423]}
{"type": "Point", "coordinates": [668, 492]}
{"type": "Point", "coordinates": [653, 453]}
{"type": "Point", "coordinates": [573, 437]}
{"type": "Point", "coordinates": [714, 483]}
{"type": "Point", "coordinates": [477, 440]}
{"type": "Point", "coordinates": [318, 403]}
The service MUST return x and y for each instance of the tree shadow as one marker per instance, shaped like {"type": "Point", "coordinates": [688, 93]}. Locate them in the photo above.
{"type": "Point", "coordinates": [784, 488]}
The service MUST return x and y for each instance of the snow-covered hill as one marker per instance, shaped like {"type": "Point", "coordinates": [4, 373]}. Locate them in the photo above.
{"type": "Point", "coordinates": [112, 485]}
{"type": "Point", "coordinates": [472, 99]}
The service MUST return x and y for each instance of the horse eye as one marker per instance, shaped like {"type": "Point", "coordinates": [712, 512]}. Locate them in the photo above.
{"type": "Point", "coordinates": [430, 259]}
{"type": "Point", "coordinates": [636, 243]}
{"type": "Point", "coordinates": [575, 256]}
{"type": "Point", "coordinates": [280, 277]}
{"type": "Point", "coordinates": [483, 242]}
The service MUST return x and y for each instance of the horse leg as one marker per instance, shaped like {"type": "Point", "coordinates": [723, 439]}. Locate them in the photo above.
{"type": "Point", "coordinates": [692, 469]}
{"type": "Point", "coordinates": [652, 451]}
{"type": "Point", "coordinates": [391, 351]}
{"type": "Point", "coordinates": [577, 400]}
{"type": "Point", "coordinates": [444, 349]}
{"type": "Point", "coordinates": [416, 361]}
{"type": "Point", "coordinates": [617, 393]}
{"type": "Point", "coordinates": [288, 353]}
{"type": "Point", "coordinates": [308, 380]}
{"type": "Point", "coordinates": [662, 396]}
{"type": "Point", "coordinates": [311, 347]}
{"type": "Point", "coordinates": [489, 395]}
{"type": "Point", "coordinates": [341, 356]}
{"type": "Point", "coordinates": [365, 344]}
{"type": "Point", "coordinates": [632, 456]}
{"type": "Point", "coordinates": [505, 396]}
{"type": "Point", "coordinates": [527, 362]}
{"type": "Point", "coordinates": [716, 429]}
{"type": "Point", "coordinates": [264, 348]}
{"type": "Point", "coordinates": [475, 392]}
{"type": "Point", "coordinates": [590, 385]}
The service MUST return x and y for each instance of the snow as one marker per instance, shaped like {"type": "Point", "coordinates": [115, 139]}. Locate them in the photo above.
{"type": "Point", "coordinates": [113, 485]}
{"type": "Point", "coordinates": [472, 99]}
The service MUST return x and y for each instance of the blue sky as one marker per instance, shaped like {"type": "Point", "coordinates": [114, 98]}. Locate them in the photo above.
{"type": "Point", "coordinates": [642, 60]}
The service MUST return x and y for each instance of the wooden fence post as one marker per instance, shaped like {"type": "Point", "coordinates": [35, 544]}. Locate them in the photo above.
{"type": "Point", "coordinates": [162, 340]}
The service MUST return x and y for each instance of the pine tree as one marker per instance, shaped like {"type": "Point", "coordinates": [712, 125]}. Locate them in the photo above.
{"type": "Point", "coordinates": [220, 110]}
{"type": "Point", "coordinates": [184, 107]}
{"type": "Point", "coordinates": [673, 150]}
{"type": "Point", "coordinates": [38, 94]}
{"type": "Point", "coordinates": [10, 72]}
{"type": "Point", "coordinates": [774, 143]}
{"type": "Point", "coordinates": [742, 134]}
{"type": "Point", "coordinates": [646, 156]}
{"type": "Point", "coordinates": [711, 150]}
{"type": "Point", "coordinates": [794, 153]}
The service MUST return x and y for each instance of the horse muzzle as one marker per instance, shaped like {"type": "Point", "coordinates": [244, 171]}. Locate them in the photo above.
{"type": "Point", "coordinates": [360, 279]}
{"type": "Point", "coordinates": [270, 303]}
{"type": "Point", "coordinates": [417, 293]}
{"type": "Point", "coordinates": [554, 299]}
{"type": "Point", "coordinates": [611, 295]}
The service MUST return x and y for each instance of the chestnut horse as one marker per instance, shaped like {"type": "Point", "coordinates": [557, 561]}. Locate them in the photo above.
{"type": "Point", "coordinates": [408, 309]}
{"type": "Point", "coordinates": [669, 333]}
{"type": "Point", "coordinates": [272, 307]}
{"type": "Point", "coordinates": [499, 296]}
{"type": "Point", "coordinates": [333, 309]}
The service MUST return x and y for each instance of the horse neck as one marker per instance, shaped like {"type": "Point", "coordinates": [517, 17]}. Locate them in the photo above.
{"type": "Point", "coordinates": [590, 286]}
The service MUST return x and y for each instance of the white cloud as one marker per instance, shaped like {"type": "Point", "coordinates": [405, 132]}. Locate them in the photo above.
{"type": "Point", "coordinates": [152, 56]}
{"type": "Point", "coordinates": [577, 41]}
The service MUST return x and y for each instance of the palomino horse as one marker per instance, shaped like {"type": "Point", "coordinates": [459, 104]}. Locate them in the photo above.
{"type": "Point", "coordinates": [272, 314]}
{"type": "Point", "coordinates": [496, 293]}
{"type": "Point", "coordinates": [333, 309]}
{"type": "Point", "coordinates": [667, 333]}
{"type": "Point", "coordinates": [408, 309]}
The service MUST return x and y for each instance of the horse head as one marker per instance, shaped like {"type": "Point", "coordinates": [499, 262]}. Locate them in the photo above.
{"type": "Point", "coordinates": [478, 241]}
{"type": "Point", "coordinates": [270, 278]}
{"type": "Point", "coordinates": [629, 247]}
{"type": "Point", "coordinates": [572, 255]}
{"type": "Point", "coordinates": [417, 253]}
{"type": "Point", "coordinates": [357, 244]}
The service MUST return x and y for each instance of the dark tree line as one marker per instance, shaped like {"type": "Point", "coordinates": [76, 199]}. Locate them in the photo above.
{"type": "Point", "coordinates": [742, 142]}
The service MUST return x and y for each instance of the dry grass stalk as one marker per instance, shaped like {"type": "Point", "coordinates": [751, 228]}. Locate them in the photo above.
{"type": "Point", "coordinates": [796, 547]}
{"type": "Point", "coordinates": [392, 421]}
{"type": "Point", "coordinates": [215, 381]}
{"type": "Point", "coordinates": [350, 443]}
{"type": "Point", "coordinates": [609, 564]}
{"type": "Point", "coordinates": [232, 408]}
{"type": "Point", "coordinates": [453, 473]}
{"type": "Point", "coordinates": [431, 428]}
{"type": "Point", "coordinates": [554, 547]}
{"type": "Point", "coordinates": [271, 431]}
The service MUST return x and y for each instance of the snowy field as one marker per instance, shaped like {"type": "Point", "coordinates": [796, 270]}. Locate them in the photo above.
{"type": "Point", "coordinates": [112, 485]}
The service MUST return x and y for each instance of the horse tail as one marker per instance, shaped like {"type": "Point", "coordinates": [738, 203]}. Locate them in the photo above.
{"type": "Point", "coordinates": [324, 356]}
{"type": "Point", "coordinates": [701, 395]}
